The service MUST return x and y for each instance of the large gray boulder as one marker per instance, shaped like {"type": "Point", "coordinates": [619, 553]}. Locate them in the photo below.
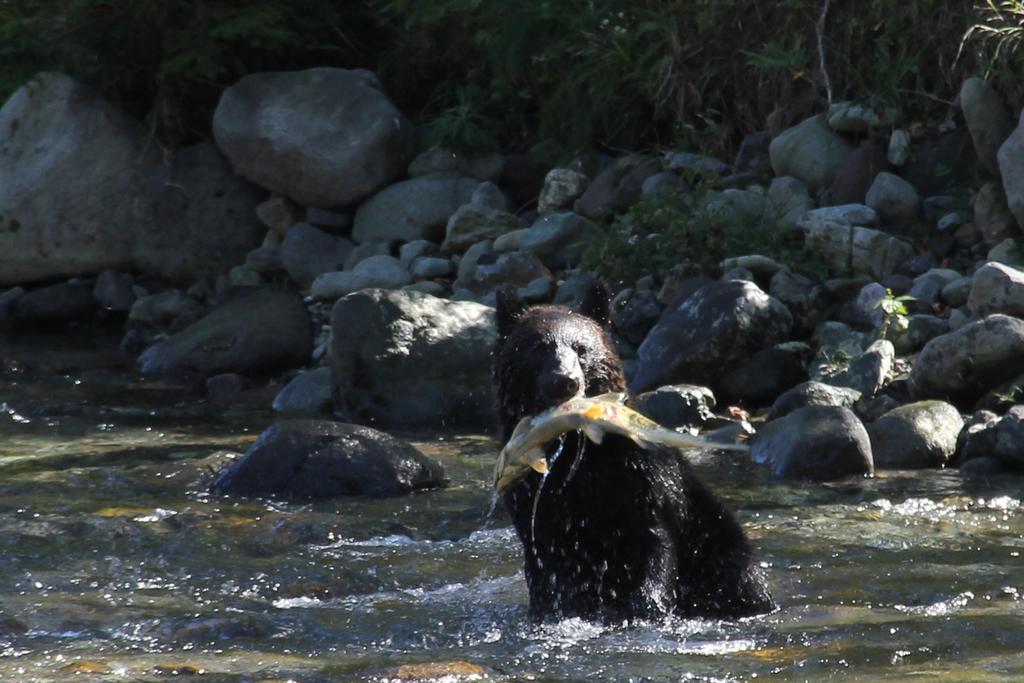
{"type": "Point", "coordinates": [414, 209]}
{"type": "Point", "coordinates": [83, 190]}
{"type": "Point", "coordinates": [997, 288]}
{"type": "Point", "coordinates": [816, 442]}
{"type": "Point", "coordinates": [961, 365]}
{"type": "Point", "coordinates": [991, 214]}
{"type": "Point", "coordinates": [916, 435]}
{"type": "Point", "coordinates": [318, 459]}
{"type": "Point", "coordinates": [261, 332]}
{"type": "Point", "coordinates": [324, 137]}
{"type": "Point", "coordinates": [811, 152]}
{"type": "Point", "coordinates": [558, 239]}
{"type": "Point", "coordinates": [195, 217]}
{"type": "Point", "coordinates": [894, 199]}
{"type": "Point", "coordinates": [852, 249]}
{"type": "Point", "coordinates": [404, 358]}
{"type": "Point", "coordinates": [716, 327]}
{"type": "Point", "coordinates": [1011, 167]}
{"type": "Point", "coordinates": [987, 119]}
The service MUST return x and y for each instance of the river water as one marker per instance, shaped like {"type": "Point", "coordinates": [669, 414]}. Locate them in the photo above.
{"type": "Point", "coordinates": [116, 565]}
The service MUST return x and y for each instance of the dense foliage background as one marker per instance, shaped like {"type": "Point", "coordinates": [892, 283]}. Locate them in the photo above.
{"type": "Point", "coordinates": [612, 73]}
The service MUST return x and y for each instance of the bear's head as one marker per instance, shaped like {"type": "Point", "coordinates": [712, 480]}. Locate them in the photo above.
{"type": "Point", "coordinates": [548, 354]}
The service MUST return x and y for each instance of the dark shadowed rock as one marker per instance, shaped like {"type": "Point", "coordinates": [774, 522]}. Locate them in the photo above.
{"type": "Point", "coordinates": [916, 435]}
{"type": "Point", "coordinates": [324, 137]}
{"type": "Point", "coordinates": [414, 209]}
{"type": "Point", "coordinates": [812, 394]}
{"type": "Point", "coordinates": [760, 379]}
{"type": "Point", "coordinates": [677, 405]}
{"type": "Point", "coordinates": [54, 304]}
{"type": "Point", "coordinates": [1011, 167]}
{"type": "Point", "coordinates": [408, 358]}
{"type": "Point", "coordinates": [308, 252]}
{"type": "Point", "coordinates": [323, 459]}
{"type": "Point", "coordinates": [940, 164]}
{"type": "Point", "coordinates": [617, 187]}
{"type": "Point", "coordinates": [810, 152]}
{"type": "Point", "coordinates": [857, 172]}
{"type": "Point", "coordinates": [988, 120]}
{"type": "Point", "coordinates": [721, 324]}
{"type": "Point", "coordinates": [309, 392]}
{"type": "Point", "coordinates": [963, 364]}
{"type": "Point", "coordinates": [260, 332]}
{"type": "Point", "coordinates": [816, 442]}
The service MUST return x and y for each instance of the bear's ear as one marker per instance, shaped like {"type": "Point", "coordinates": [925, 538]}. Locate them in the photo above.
{"type": "Point", "coordinates": [509, 309]}
{"type": "Point", "coordinates": [595, 304]}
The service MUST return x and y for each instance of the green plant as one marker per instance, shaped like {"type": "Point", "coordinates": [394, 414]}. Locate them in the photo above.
{"type": "Point", "coordinates": [894, 311]}
{"type": "Point", "coordinates": [463, 127]}
{"type": "Point", "coordinates": [695, 230]}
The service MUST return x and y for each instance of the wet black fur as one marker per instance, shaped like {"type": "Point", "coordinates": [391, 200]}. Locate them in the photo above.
{"type": "Point", "coordinates": [618, 532]}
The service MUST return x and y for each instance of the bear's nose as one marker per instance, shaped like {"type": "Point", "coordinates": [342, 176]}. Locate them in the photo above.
{"type": "Point", "coordinates": [558, 387]}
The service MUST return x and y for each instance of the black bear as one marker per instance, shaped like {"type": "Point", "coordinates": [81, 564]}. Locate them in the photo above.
{"type": "Point", "coordinates": [613, 532]}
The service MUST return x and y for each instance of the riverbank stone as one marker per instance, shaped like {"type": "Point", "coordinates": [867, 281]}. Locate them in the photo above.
{"type": "Point", "coordinates": [961, 365]}
{"type": "Point", "coordinates": [324, 137]}
{"type": "Point", "coordinates": [810, 152]}
{"type": "Point", "coordinates": [819, 443]}
{"type": "Point", "coordinates": [318, 459]}
{"type": "Point", "coordinates": [403, 358]}
{"type": "Point", "coordinates": [260, 332]}
{"type": "Point", "coordinates": [309, 392]}
{"type": "Point", "coordinates": [414, 209]}
{"type": "Point", "coordinates": [915, 436]}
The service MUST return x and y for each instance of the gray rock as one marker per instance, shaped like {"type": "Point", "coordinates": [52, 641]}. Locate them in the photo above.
{"type": "Point", "coordinates": [763, 377]}
{"type": "Point", "coordinates": [921, 329]}
{"type": "Point", "coordinates": [963, 364]}
{"type": "Point", "coordinates": [410, 251]}
{"type": "Point", "coordinates": [574, 289]}
{"type": "Point", "coordinates": [537, 291]}
{"type": "Point", "coordinates": [665, 182]}
{"type": "Point", "coordinates": [617, 187]}
{"type": "Point", "coordinates": [848, 249]}
{"type": "Point", "coordinates": [753, 153]}
{"type": "Point", "coordinates": [279, 213]}
{"type": "Point", "coordinates": [676, 405]}
{"type": "Point", "coordinates": [866, 307]}
{"type": "Point", "coordinates": [308, 252]}
{"type": "Point", "coordinates": [1009, 441]}
{"type": "Point", "coordinates": [927, 288]}
{"type": "Point", "coordinates": [471, 224]}
{"type": "Point", "coordinates": [487, 195]}
{"type": "Point", "coordinates": [914, 436]}
{"type": "Point", "coordinates": [514, 268]}
{"type": "Point", "coordinates": [790, 200]}
{"type": "Point", "coordinates": [942, 164]}
{"type": "Point", "coordinates": [810, 152]}
{"type": "Point", "coordinates": [404, 358]}
{"type": "Point", "coordinates": [956, 292]}
{"type": "Point", "coordinates": [7, 301]}
{"type": "Point", "coordinates": [562, 187]}
{"type": "Point", "coordinates": [265, 260]}
{"type": "Point", "coordinates": [335, 222]}
{"type": "Point", "coordinates": [949, 222]}
{"type": "Point", "coordinates": [898, 151]}
{"type": "Point", "coordinates": [427, 267]}
{"type": "Point", "coordinates": [418, 208]}
{"type": "Point", "coordinates": [635, 318]}
{"type": "Point", "coordinates": [991, 213]}
{"type": "Point", "coordinates": [484, 166]}
{"type": "Point", "coordinates": [55, 304]}
{"type": "Point", "coordinates": [844, 214]}
{"type": "Point", "coordinates": [557, 238]}
{"type": "Point", "coordinates": [113, 291]}
{"type": "Point", "coordinates": [309, 392]}
{"type": "Point", "coordinates": [855, 175]}
{"type": "Point", "coordinates": [261, 332]}
{"type": "Point", "coordinates": [894, 199]}
{"type": "Point", "coordinates": [987, 119]}
{"type": "Point", "coordinates": [869, 371]}
{"type": "Point", "coordinates": [1008, 252]}
{"type": "Point", "coordinates": [179, 220]}
{"type": "Point", "coordinates": [818, 442]}
{"type": "Point", "coordinates": [163, 309]}
{"type": "Point", "coordinates": [687, 164]}
{"type": "Point", "coordinates": [510, 240]}
{"type": "Point", "coordinates": [431, 287]}
{"type": "Point", "coordinates": [756, 264]}
{"type": "Point", "coordinates": [226, 386]}
{"type": "Point", "coordinates": [812, 394]}
{"type": "Point", "coordinates": [743, 207]}
{"type": "Point", "coordinates": [315, 459]}
{"type": "Point", "coordinates": [244, 276]}
{"type": "Point", "coordinates": [466, 274]}
{"type": "Point", "coordinates": [383, 272]}
{"type": "Point", "coordinates": [1011, 168]}
{"type": "Point", "coordinates": [850, 117]}
{"type": "Point", "coordinates": [365, 251]}
{"type": "Point", "coordinates": [324, 137]}
{"type": "Point", "coordinates": [719, 325]}
{"type": "Point", "coordinates": [997, 288]}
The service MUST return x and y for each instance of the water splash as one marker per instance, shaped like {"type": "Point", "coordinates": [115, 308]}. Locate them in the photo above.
{"type": "Point", "coordinates": [540, 489]}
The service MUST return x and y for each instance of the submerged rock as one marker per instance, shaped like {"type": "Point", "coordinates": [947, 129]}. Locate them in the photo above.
{"type": "Point", "coordinates": [324, 459]}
